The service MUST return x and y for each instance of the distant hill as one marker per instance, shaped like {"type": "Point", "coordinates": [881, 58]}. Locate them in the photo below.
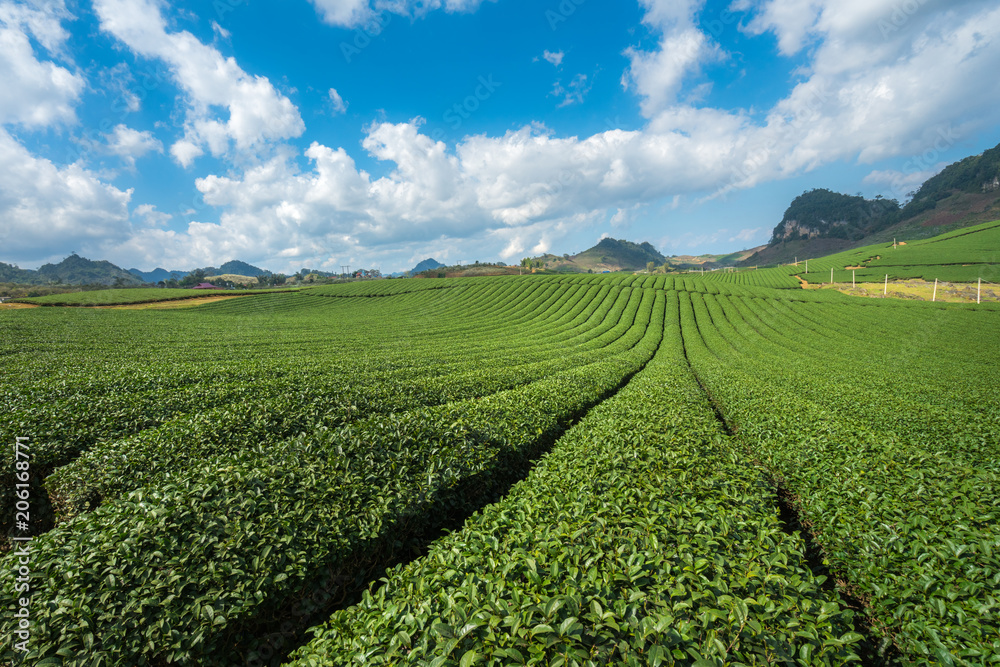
{"type": "Point", "coordinates": [426, 265]}
{"type": "Point", "coordinates": [74, 270]}
{"type": "Point", "coordinates": [157, 274]}
{"type": "Point", "coordinates": [619, 256]}
{"type": "Point", "coordinates": [241, 269]}
{"type": "Point", "coordinates": [822, 222]}
{"type": "Point", "coordinates": [12, 274]}
{"type": "Point", "coordinates": [233, 267]}
{"type": "Point", "coordinates": [608, 255]}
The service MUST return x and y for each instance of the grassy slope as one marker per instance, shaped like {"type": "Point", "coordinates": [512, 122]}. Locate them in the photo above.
{"type": "Point", "coordinates": [958, 211]}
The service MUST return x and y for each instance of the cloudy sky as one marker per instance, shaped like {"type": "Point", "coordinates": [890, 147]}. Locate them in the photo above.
{"type": "Point", "coordinates": [376, 133]}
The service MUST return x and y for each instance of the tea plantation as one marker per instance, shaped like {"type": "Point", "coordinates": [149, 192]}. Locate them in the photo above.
{"type": "Point", "coordinates": [545, 470]}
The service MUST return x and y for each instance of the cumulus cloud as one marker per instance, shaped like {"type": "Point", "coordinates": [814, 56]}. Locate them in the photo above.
{"type": "Point", "coordinates": [152, 217]}
{"type": "Point", "coordinates": [35, 93]}
{"type": "Point", "coordinates": [862, 96]}
{"type": "Point", "coordinates": [49, 211]}
{"type": "Point", "coordinates": [130, 144]}
{"type": "Point", "coordinates": [258, 113]}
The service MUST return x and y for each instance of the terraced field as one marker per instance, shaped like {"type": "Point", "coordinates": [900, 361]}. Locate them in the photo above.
{"type": "Point", "coordinates": [579, 470]}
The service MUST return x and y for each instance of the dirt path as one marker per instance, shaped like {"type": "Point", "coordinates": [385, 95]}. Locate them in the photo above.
{"type": "Point", "coordinates": [155, 305]}
{"type": "Point", "coordinates": [169, 305]}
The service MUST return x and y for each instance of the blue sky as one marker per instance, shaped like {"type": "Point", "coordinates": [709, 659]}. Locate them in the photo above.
{"type": "Point", "coordinates": [376, 133]}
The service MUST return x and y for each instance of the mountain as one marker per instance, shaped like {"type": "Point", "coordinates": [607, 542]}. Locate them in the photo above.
{"type": "Point", "coordinates": [822, 222]}
{"type": "Point", "coordinates": [74, 270]}
{"type": "Point", "coordinates": [238, 268]}
{"type": "Point", "coordinates": [157, 274]}
{"type": "Point", "coordinates": [826, 214]}
{"type": "Point", "coordinates": [426, 265]}
{"type": "Point", "coordinates": [234, 267]}
{"type": "Point", "coordinates": [608, 255]}
{"type": "Point", "coordinates": [12, 274]}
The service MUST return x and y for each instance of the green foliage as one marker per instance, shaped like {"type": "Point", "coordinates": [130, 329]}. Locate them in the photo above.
{"type": "Point", "coordinates": [620, 548]}
{"type": "Point", "coordinates": [968, 175]}
{"type": "Point", "coordinates": [117, 297]}
{"type": "Point", "coordinates": [606, 449]}
{"type": "Point", "coordinates": [834, 215]}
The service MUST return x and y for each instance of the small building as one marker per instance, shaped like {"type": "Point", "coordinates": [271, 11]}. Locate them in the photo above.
{"type": "Point", "coordinates": [205, 286]}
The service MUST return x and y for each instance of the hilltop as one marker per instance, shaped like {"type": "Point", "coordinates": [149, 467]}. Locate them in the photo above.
{"type": "Point", "coordinates": [820, 222]}
{"type": "Point", "coordinates": [608, 255]}
{"type": "Point", "coordinates": [74, 270]}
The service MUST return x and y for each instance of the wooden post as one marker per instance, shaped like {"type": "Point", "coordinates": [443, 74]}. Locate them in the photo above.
{"type": "Point", "coordinates": [807, 266]}
{"type": "Point", "coordinates": [979, 291]}
{"type": "Point", "coordinates": [831, 275]}
{"type": "Point", "coordinates": [934, 298]}
{"type": "Point", "coordinates": [885, 292]}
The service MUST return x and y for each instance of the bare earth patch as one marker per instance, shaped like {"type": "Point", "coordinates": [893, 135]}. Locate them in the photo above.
{"type": "Point", "coordinates": [170, 305]}
{"type": "Point", "coordinates": [923, 291]}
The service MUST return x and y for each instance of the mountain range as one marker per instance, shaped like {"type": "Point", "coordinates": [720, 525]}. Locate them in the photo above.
{"type": "Point", "coordinates": [76, 270]}
{"type": "Point", "coordinates": [234, 267]}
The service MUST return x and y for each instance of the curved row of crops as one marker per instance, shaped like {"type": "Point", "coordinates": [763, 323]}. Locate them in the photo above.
{"type": "Point", "coordinates": [212, 469]}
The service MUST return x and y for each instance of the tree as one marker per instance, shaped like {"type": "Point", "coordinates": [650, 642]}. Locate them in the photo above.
{"type": "Point", "coordinates": [650, 267]}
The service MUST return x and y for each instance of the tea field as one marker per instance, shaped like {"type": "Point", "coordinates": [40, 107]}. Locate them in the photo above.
{"type": "Point", "coordinates": [545, 470]}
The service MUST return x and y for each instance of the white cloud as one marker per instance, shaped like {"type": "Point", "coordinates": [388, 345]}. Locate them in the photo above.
{"type": "Point", "coordinates": [575, 92]}
{"type": "Point", "coordinates": [49, 211]}
{"type": "Point", "coordinates": [862, 96]}
{"type": "Point", "coordinates": [554, 58]}
{"type": "Point", "coordinates": [220, 31]}
{"type": "Point", "coordinates": [130, 144]}
{"type": "Point", "coordinates": [337, 102]}
{"type": "Point", "coordinates": [344, 12]}
{"type": "Point", "coordinates": [35, 93]}
{"type": "Point", "coordinates": [353, 13]}
{"type": "Point", "coordinates": [658, 76]}
{"type": "Point", "coordinates": [151, 216]}
{"type": "Point", "coordinates": [258, 113]}
{"type": "Point", "coordinates": [898, 184]}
